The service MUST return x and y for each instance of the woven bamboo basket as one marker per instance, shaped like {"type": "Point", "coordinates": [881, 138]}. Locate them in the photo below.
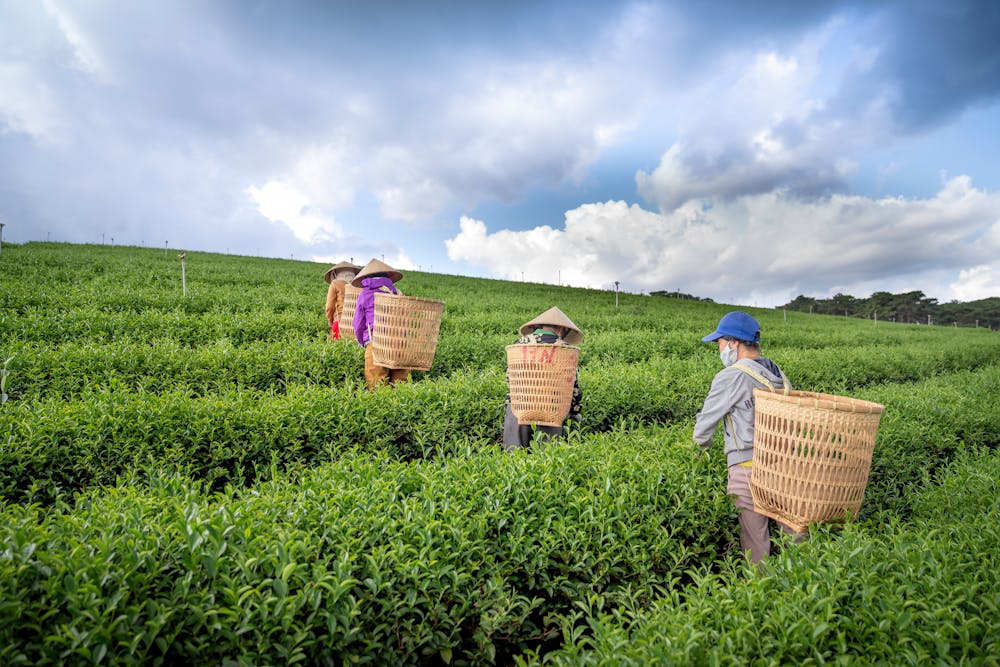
{"type": "Point", "coordinates": [347, 314]}
{"type": "Point", "coordinates": [405, 333]}
{"type": "Point", "coordinates": [811, 456]}
{"type": "Point", "coordinates": [540, 378]}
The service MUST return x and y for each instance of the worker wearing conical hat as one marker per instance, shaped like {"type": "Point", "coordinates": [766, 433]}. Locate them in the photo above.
{"type": "Point", "coordinates": [552, 327]}
{"type": "Point", "coordinates": [337, 276]}
{"type": "Point", "coordinates": [375, 277]}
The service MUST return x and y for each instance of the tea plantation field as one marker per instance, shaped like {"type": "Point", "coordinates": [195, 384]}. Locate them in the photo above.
{"type": "Point", "coordinates": [202, 479]}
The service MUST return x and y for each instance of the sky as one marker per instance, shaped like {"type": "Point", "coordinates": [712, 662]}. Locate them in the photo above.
{"type": "Point", "coordinates": [743, 152]}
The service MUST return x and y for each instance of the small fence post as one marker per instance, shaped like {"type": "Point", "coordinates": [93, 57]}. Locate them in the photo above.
{"type": "Point", "coordinates": [183, 275]}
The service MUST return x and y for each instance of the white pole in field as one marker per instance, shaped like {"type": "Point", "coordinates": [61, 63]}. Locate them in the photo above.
{"type": "Point", "coordinates": [784, 312]}
{"type": "Point", "coordinates": [184, 290]}
{"type": "Point", "coordinates": [876, 318]}
{"type": "Point", "coordinates": [928, 319]}
{"type": "Point", "coordinates": [616, 294]}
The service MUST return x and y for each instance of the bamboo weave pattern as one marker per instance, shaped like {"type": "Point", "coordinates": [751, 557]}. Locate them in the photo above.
{"type": "Point", "coordinates": [812, 455]}
{"type": "Point", "coordinates": [540, 378]}
{"type": "Point", "coordinates": [347, 314]}
{"type": "Point", "coordinates": [405, 333]}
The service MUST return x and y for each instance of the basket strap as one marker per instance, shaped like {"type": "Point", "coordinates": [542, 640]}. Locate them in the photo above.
{"type": "Point", "coordinates": [755, 375]}
{"type": "Point", "coordinates": [732, 427]}
{"type": "Point", "coordinates": [760, 378]}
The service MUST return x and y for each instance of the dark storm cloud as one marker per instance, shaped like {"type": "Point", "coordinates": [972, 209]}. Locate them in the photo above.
{"type": "Point", "coordinates": [911, 66]}
{"type": "Point", "coordinates": [940, 57]}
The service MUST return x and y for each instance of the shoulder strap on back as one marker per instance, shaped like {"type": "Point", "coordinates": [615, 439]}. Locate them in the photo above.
{"type": "Point", "coordinates": [786, 385]}
{"type": "Point", "coordinates": [755, 375]}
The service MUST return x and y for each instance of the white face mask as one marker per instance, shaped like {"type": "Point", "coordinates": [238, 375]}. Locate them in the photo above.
{"type": "Point", "coordinates": [729, 355]}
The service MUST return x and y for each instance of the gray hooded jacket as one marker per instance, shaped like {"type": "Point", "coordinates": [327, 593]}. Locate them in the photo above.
{"type": "Point", "coordinates": [730, 400]}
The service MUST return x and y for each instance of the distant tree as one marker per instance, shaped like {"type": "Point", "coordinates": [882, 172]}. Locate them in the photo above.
{"type": "Point", "coordinates": [680, 295]}
{"type": "Point", "coordinates": [802, 303]}
{"type": "Point", "coordinates": [909, 307]}
{"type": "Point", "coordinates": [844, 304]}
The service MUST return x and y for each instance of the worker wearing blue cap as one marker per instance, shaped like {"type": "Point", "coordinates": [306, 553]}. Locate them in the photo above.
{"type": "Point", "coordinates": [730, 401]}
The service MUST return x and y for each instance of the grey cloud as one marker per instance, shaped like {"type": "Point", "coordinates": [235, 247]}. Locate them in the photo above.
{"type": "Point", "coordinates": [940, 57]}
{"type": "Point", "coordinates": [932, 60]}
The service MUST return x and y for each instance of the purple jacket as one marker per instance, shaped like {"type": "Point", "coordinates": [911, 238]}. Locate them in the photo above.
{"type": "Point", "coordinates": [364, 308]}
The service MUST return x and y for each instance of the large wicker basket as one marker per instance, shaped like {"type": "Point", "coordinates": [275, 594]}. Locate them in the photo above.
{"type": "Point", "coordinates": [540, 378]}
{"type": "Point", "coordinates": [811, 455]}
{"type": "Point", "coordinates": [405, 332]}
{"type": "Point", "coordinates": [347, 314]}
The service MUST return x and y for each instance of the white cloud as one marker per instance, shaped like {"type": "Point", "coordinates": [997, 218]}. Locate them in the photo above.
{"type": "Point", "coordinates": [28, 106]}
{"type": "Point", "coordinates": [761, 248]}
{"type": "Point", "coordinates": [86, 55]}
{"type": "Point", "coordinates": [405, 187]}
{"type": "Point", "coordinates": [327, 174]}
{"type": "Point", "coordinates": [281, 203]}
{"type": "Point", "coordinates": [979, 282]}
{"type": "Point", "coordinates": [983, 280]}
{"type": "Point", "coordinates": [397, 259]}
{"type": "Point", "coordinates": [319, 179]}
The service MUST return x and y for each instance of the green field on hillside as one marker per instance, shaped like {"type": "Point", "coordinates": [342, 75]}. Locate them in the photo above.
{"type": "Point", "coordinates": [202, 478]}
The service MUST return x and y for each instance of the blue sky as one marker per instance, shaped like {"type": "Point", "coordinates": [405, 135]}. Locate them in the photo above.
{"type": "Point", "coordinates": [746, 152]}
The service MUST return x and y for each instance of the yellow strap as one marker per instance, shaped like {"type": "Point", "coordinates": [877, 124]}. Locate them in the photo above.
{"type": "Point", "coordinates": [755, 375]}
{"type": "Point", "coordinates": [746, 464]}
{"type": "Point", "coordinates": [759, 378]}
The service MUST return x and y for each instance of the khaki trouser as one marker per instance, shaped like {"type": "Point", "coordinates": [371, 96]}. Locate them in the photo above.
{"type": "Point", "coordinates": [754, 535]}
{"type": "Point", "coordinates": [376, 375]}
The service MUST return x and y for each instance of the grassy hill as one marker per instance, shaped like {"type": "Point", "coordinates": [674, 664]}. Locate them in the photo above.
{"type": "Point", "coordinates": [202, 477]}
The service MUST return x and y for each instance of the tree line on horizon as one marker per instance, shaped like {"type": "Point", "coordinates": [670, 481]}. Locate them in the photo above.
{"type": "Point", "coordinates": [907, 307]}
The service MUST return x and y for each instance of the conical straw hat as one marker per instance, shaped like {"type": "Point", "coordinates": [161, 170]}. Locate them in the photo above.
{"type": "Point", "coordinates": [342, 266]}
{"type": "Point", "coordinates": [375, 267]}
{"type": "Point", "coordinates": [555, 318]}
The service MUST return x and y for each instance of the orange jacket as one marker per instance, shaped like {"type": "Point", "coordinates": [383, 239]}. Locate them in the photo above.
{"type": "Point", "coordinates": [335, 300]}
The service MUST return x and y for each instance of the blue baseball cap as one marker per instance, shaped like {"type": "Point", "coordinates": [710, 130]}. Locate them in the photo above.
{"type": "Point", "coordinates": [738, 325]}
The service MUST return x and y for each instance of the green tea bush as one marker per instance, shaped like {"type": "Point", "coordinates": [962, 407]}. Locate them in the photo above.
{"type": "Point", "coordinates": [311, 521]}
{"type": "Point", "coordinates": [152, 366]}
{"type": "Point", "coordinates": [235, 436]}
{"type": "Point", "coordinates": [889, 593]}
{"type": "Point", "coordinates": [462, 560]}
{"type": "Point", "coordinates": [232, 436]}
{"type": "Point", "coordinates": [925, 425]}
